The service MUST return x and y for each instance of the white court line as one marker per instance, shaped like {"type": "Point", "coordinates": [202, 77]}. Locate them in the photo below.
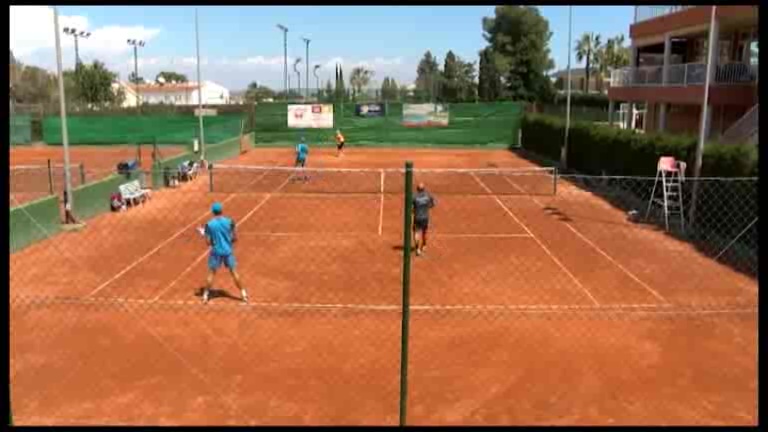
{"type": "Point", "coordinates": [202, 255]}
{"type": "Point", "coordinates": [598, 249]}
{"type": "Point", "coordinates": [320, 234]}
{"type": "Point", "coordinates": [150, 253]}
{"type": "Point", "coordinates": [509, 212]}
{"type": "Point", "coordinates": [629, 307]}
{"type": "Point", "coordinates": [381, 198]}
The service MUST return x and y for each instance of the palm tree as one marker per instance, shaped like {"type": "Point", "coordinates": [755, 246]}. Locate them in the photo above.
{"type": "Point", "coordinates": [612, 55]}
{"type": "Point", "coordinates": [586, 50]}
{"type": "Point", "coordinates": [360, 78]}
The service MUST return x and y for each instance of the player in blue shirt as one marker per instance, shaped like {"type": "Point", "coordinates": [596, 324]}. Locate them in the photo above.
{"type": "Point", "coordinates": [220, 235]}
{"type": "Point", "coordinates": [302, 150]}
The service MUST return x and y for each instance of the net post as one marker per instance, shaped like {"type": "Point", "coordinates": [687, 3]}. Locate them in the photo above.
{"type": "Point", "coordinates": [82, 173]}
{"type": "Point", "coordinates": [138, 151]}
{"type": "Point", "coordinates": [50, 177]}
{"type": "Point", "coordinates": [554, 181]}
{"type": "Point", "coordinates": [406, 304]}
{"type": "Point", "coordinates": [210, 177]}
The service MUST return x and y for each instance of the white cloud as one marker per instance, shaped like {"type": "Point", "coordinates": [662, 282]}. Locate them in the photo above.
{"type": "Point", "coordinates": [32, 36]}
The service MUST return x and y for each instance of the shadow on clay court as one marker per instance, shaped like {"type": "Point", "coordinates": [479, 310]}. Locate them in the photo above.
{"type": "Point", "coordinates": [217, 293]}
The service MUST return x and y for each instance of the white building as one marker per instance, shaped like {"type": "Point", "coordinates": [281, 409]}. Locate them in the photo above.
{"type": "Point", "coordinates": [180, 93]}
{"type": "Point", "coordinates": [129, 91]}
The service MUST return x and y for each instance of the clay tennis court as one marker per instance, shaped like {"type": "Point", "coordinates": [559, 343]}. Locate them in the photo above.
{"type": "Point", "coordinates": [99, 162]}
{"type": "Point", "coordinates": [529, 308]}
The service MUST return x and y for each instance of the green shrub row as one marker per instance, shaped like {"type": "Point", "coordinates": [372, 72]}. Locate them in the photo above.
{"type": "Point", "coordinates": [595, 100]}
{"type": "Point", "coordinates": [598, 150]}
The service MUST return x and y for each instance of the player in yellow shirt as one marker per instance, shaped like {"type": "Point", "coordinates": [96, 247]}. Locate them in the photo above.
{"type": "Point", "coordinates": [339, 143]}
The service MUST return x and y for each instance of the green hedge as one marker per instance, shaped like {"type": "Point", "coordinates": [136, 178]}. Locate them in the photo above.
{"type": "Point", "coordinates": [598, 150]}
{"type": "Point", "coordinates": [583, 100]}
{"type": "Point", "coordinates": [33, 222]}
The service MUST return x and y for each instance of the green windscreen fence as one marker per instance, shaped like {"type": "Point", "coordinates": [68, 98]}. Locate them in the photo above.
{"type": "Point", "coordinates": [122, 129]}
{"type": "Point", "coordinates": [470, 124]}
{"type": "Point", "coordinates": [21, 129]}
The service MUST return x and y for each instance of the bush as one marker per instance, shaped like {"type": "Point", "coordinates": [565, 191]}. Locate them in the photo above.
{"type": "Point", "coordinates": [597, 150]}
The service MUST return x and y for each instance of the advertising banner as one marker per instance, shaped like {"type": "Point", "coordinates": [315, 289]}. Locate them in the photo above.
{"type": "Point", "coordinates": [425, 115]}
{"type": "Point", "coordinates": [370, 110]}
{"type": "Point", "coordinates": [310, 116]}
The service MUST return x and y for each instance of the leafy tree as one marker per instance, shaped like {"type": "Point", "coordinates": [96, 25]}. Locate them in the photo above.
{"type": "Point", "coordinates": [427, 76]}
{"type": "Point", "coordinates": [171, 77]}
{"type": "Point", "coordinates": [94, 84]}
{"type": "Point", "coordinates": [256, 93]}
{"type": "Point", "coordinates": [612, 55]}
{"type": "Point", "coordinates": [389, 90]}
{"type": "Point", "coordinates": [586, 50]}
{"type": "Point", "coordinates": [360, 78]}
{"type": "Point", "coordinates": [341, 92]}
{"type": "Point", "coordinates": [519, 38]}
{"type": "Point", "coordinates": [489, 80]}
{"type": "Point", "coordinates": [328, 92]}
{"type": "Point", "coordinates": [33, 85]}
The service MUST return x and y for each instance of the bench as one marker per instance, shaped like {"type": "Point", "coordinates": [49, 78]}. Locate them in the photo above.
{"type": "Point", "coordinates": [132, 192]}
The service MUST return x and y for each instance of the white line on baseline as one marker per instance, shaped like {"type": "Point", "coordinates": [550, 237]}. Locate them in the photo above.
{"type": "Point", "coordinates": [433, 235]}
{"type": "Point", "coordinates": [551, 255]}
{"type": "Point", "coordinates": [152, 252]}
{"type": "Point", "coordinates": [381, 198]}
{"type": "Point", "coordinates": [598, 249]}
{"type": "Point", "coordinates": [202, 255]}
{"type": "Point", "coordinates": [632, 307]}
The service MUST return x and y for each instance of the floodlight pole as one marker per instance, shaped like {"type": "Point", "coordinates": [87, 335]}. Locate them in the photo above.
{"type": "Point", "coordinates": [284, 29]}
{"type": "Point", "coordinates": [136, 44]}
{"type": "Point", "coordinates": [298, 74]}
{"type": "Point", "coordinates": [306, 86]}
{"type": "Point", "coordinates": [704, 113]}
{"type": "Point", "coordinates": [564, 148]}
{"type": "Point", "coordinates": [317, 81]}
{"type": "Point", "coordinates": [63, 113]}
{"type": "Point", "coordinates": [71, 31]}
{"type": "Point", "coordinates": [199, 91]}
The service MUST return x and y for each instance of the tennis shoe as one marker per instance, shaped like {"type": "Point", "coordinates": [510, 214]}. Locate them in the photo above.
{"type": "Point", "coordinates": [206, 297]}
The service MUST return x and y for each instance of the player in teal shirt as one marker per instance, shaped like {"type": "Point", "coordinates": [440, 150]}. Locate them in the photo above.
{"type": "Point", "coordinates": [302, 150]}
{"type": "Point", "coordinates": [220, 234]}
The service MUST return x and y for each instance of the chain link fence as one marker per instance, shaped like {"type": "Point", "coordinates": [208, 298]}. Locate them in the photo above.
{"type": "Point", "coordinates": [540, 299]}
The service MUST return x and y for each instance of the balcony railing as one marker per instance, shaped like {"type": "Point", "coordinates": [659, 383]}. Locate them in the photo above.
{"type": "Point", "coordinates": [643, 13]}
{"type": "Point", "coordinates": [684, 75]}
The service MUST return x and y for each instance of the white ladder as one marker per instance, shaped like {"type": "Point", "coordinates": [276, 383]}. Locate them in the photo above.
{"type": "Point", "coordinates": [672, 175]}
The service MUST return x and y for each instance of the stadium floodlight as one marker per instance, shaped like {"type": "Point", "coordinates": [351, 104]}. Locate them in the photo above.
{"type": "Point", "coordinates": [317, 78]}
{"type": "Point", "coordinates": [135, 43]}
{"type": "Point", "coordinates": [284, 29]}
{"type": "Point", "coordinates": [306, 86]}
{"type": "Point", "coordinates": [298, 73]}
{"type": "Point", "coordinates": [76, 34]}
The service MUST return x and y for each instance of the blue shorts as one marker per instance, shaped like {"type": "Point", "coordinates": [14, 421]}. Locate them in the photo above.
{"type": "Point", "coordinates": [301, 161]}
{"type": "Point", "coordinates": [216, 261]}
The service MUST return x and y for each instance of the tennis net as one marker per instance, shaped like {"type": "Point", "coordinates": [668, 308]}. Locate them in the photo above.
{"type": "Point", "coordinates": [482, 181]}
{"type": "Point", "coordinates": [44, 178]}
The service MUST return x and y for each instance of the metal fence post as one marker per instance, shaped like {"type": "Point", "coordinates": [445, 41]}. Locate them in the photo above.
{"type": "Point", "coordinates": [82, 173]}
{"type": "Point", "coordinates": [50, 177]}
{"type": "Point", "coordinates": [406, 291]}
{"type": "Point", "coordinates": [210, 177]}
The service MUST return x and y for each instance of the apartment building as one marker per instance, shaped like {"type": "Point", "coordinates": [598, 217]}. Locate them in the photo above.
{"type": "Point", "coordinates": [668, 67]}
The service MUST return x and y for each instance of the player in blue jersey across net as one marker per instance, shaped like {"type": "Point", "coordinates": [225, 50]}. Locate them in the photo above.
{"type": "Point", "coordinates": [423, 202]}
{"type": "Point", "coordinates": [302, 150]}
{"type": "Point", "coordinates": [220, 235]}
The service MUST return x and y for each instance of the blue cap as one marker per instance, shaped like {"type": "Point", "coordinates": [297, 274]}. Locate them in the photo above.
{"type": "Point", "coordinates": [217, 208]}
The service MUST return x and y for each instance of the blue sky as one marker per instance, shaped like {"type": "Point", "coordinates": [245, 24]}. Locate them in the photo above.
{"type": "Point", "coordinates": [241, 44]}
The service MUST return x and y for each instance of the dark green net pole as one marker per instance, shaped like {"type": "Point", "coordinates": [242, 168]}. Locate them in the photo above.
{"type": "Point", "coordinates": [406, 291]}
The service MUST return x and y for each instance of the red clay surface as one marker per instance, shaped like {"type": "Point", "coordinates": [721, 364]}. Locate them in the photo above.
{"type": "Point", "coordinates": [519, 316]}
{"type": "Point", "coordinates": [99, 162]}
